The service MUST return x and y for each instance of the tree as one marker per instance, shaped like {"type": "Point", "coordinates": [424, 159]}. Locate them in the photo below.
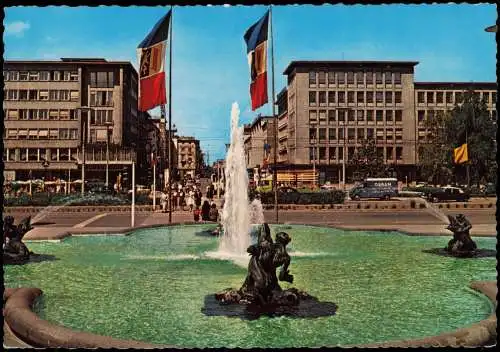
{"type": "Point", "coordinates": [367, 162]}
{"type": "Point", "coordinates": [434, 156]}
{"type": "Point", "coordinates": [470, 120]}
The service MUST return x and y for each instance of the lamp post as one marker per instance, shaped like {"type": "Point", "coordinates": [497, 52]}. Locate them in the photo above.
{"type": "Point", "coordinates": [85, 125]}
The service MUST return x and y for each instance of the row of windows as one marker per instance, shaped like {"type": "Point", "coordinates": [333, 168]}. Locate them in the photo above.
{"type": "Point", "coordinates": [334, 116]}
{"type": "Point", "coordinates": [42, 133]}
{"type": "Point", "coordinates": [452, 97]}
{"type": "Point", "coordinates": [102, 79]}
{"type": "Point", "coordinates": [40, 154]}
{"type": "Point", "coordinates": [349, 77]}
{"type": "Point", "coordinates": [40, 75]}
{"type": "Point", "coordinates": [421, 114]}
{"type": "Point", "coordinates": [337, 153]}
{"type": "Point", "coordinates": [101, 98]}
{"type": "Point", "coordinates": [40, 114]}
{"type": "Point", "coordinates": [320, 134]}
{"type": "Point", "coordinates": [331, 97]}
{"type": "Point", "coordinates": [42, 94]}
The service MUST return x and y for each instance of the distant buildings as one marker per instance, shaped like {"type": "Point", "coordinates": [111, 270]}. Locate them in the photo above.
{"type": "Point", "coordinates": [56, 110]}
{"type": "Point", "coordinates": [329, 107]}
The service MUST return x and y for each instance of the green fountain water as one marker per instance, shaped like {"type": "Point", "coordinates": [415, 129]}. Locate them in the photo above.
{"type": "Point", "coordinates": [151, 286]}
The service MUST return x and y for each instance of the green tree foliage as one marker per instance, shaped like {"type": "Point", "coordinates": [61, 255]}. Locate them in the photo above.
{"type": "Point", "coordinates": [469, 120]}
{"type": "Point", "coordinates": [435, 161]}
{"type": "Point", "coordinates": [367, 162]}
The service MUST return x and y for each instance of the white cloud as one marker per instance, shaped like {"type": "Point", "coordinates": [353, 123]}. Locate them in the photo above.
{"type": "Point", "coordinates": [16, 28]}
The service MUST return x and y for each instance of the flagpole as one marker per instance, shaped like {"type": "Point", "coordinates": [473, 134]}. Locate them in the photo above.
{"type": "Point", "coordinates": [275, 118]}
{"type": "Point", "coordinates": [170, 119]}
{"type": "Point", "coordinates": [154, 184]}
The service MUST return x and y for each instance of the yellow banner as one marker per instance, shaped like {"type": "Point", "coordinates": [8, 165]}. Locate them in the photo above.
{"type": "Point", "coordinates": [460, 154]}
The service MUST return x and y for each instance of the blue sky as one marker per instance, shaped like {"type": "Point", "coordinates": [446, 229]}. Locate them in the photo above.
{"type": "Point", "coordinates": [210, 68]}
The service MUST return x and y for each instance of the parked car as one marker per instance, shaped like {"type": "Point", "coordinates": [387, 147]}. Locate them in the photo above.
{"type": "Point", "coordinates": [380, 188]}
{"type": "Point", "coordinates": [328, 187]}
{"type": "Point", "coordinates": [448, 194]}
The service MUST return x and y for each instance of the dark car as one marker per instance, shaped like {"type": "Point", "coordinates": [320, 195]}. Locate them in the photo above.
{"type": "Point", "coordinates": [449, 194]}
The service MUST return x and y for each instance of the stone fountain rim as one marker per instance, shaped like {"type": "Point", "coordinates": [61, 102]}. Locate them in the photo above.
{"type": "Point", "coordinates": [27, 326]}
{"type": "Point", "coordinates": [31, 329]}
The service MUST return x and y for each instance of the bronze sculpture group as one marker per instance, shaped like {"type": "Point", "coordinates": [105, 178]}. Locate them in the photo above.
{"type": "Point", "coordinates": [261, 289]}
{"type": "Point", "coordinates": [14, 250]}
{"type": "Point", "coordinates": [461, 245]}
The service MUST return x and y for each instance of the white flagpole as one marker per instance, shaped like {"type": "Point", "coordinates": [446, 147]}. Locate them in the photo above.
{"type": "Point", "coordinates": [275, 119]}
{"type": "Point", "coordinates": [132, 220]}
{"type": "Point", "coordinates": [154, 185]}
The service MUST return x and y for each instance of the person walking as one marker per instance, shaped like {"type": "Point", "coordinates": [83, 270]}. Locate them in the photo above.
{"type": "Point", "coordinates": [163, 201]}
{"type": "Point", "coordinates": [190, 199]}
{"type": "Point", "coordinates": [214, 213]}
{"type": "Point", "coordinates": [205, 211]}
{"type": "Point", "coordinates": [197, 198]}
{"type": "Point", "coordinates": [197, 213]}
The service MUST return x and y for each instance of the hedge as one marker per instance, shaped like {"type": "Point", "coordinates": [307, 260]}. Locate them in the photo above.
{"type": "Point", "coordinates": [46, 199]}
{"type": "Point", "coordinates": [331, 197]}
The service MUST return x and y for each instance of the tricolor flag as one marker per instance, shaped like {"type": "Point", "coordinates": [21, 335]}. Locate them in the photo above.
{"type": "Point", "coordinates": [460, 154]}
{"type": "Point", "coordinates": [256, 39]}
{"type": "Point", "coordinates": [151, 57]}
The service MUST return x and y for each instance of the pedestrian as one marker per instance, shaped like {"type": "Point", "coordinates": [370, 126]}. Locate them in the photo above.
{"type": "Point", "coordinates": [197, 213]}
{"type": "Point", "coordinates": [181, 199]}
{"type": "Point", "coordinates": [163, 201]}
{"type": "Point", "coordinates": [190, 200]}
{"type": "Point", "coordinates": [197, 198]}
{"type": "Point", "coordinates": [214, 213]}
{"type": "Point", "coordinates": [205, 211]}
{"type": "Point", "coordinates": [175, 197]}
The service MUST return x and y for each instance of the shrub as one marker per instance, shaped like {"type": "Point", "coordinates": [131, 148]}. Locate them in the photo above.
{"type": "Point", "coordinates": [332, 197]}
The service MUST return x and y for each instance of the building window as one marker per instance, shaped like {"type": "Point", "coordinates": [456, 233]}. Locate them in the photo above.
{"type": "Point", "coordinates": [420, 97]}
{"type": "Point", "coordinates": [369, 133]}
{"type": "Point", "coordinates": [13, 114]}
{"type": "Point", "coordinates": [322, 117]}
{"type": "Point", "coordinates": [322, 77]}
{"type": "Point", "coordinates": [379, 96]}
{"type": "Point", "coordinates": [388, 97]}
{"type": "Point", "coordinates": [369, 97]}
{"type": "Point", "coordinates": [322, 153]}
{"type": "Point", "coordinates": [14, 76]}
{"type": "Point", "coordinates": [341, 153]}
{"type": "Point", "coordinates": [388, 135]}
{"type": "Point", "coordinates": [361, 133]}
{"type": "Point", "coordinates": [64, 95]}
{"type": "Point", "coordinates": [379, 115]}
{"type": "Point", "coordinates": [63, 133]}
{"type": "Point", "coordinates": [388, 78]}
{"type": "Point", "coordinates": [351, 133]}
{"type": "Point", "coordinates": [369, 77]}
{"type": "Point", "coordinates": [399, 153]}
{"type": "Point", "coordinates": [331, 116]}
{"type": "Point", "coordinates": [44, 76]}
{"type": "Point", "coordinates": [397, 77]}
{"type": "Point", "coordinates": [322, 98]}
{"type": "Point", "coordinates": [341, 115]}
{"type": "Point", "coordinates": [399, 116]}
{"type": "Point", "coordinates": [430, 97]}
{"type": "Point", "coordinates": [23, 76]}
{"type": "Point", "coordinates": [34, 76]}
{"type": "Point", "coordinates": [312, 98]}
{"type": "Point", "coordinates": [313, 116]}
{"type": "Point", "coordinates": [341, 96]}
{"type": "Point", "coordinates": [53, 114]}
{"type": "Point", "coordinates": [331, 153]}
{"type": "Point", "coordinates": [32, 114]}
{"type": "Point", "coordinates": [340, 133]}
{"type": "Point", "coordinates": [74, 95]}
{"type": "Point", "coordinates": [64, 114]}
{"type": "Point", "coordinates": [397, 97]}
{"type": "Point", "coordinates": [43, 134]}
{"type": "Point", "coordinates": [53, 133]}
{"type": "Point", "coordinates": [399, 134]}
{"type": "Point", "coordinates": [341, 77]}
{"type": "Point", "coordinates": [73, 133]}
{"type": "Point", "coordinates": [331, 134]}
{"type": "Point", "coordinates": [331, 77]}
{"type": "Point", "coordinates": [22, 134]}
{"type": "Point", "coordinates": [388, 116]}
{"type": "Point", "coordinates": [23, 114]}
{"type": "Point", "coordinates": [439, 98]}
{"type": "Point", "coordinates": [12, 134]}
{"type": "Point", "coordinates": [312, 153]}
{"type": "Point", "coordinates": [350, 153]}
{"type": "Point", "coordinates": [43, 95]}
{"type": "Point", "coordinates": [360, 97]}
{"type": "Point", "coordinates": [378, 77]}
{"type": "Point", "coordinates": [33, 94]}
{"type": "Point", "coordinates": [360, 78]}
{"type": "Point", "coordinates": [23, 94]}
{"type": "Point", "coordinates": [350, 115]}
{"type": "Point", "coordinates": [54, 95]}
{"type": "Point", "coordinates": [350, 77]}
{"type": "Point", "coordinates": [389, 153]}
{"type": "Point", "coordinates": [361, 115]}
{"type": "Point", "coordinates": [43, 114]}
{"type": "Point", "coordinates": [33, 134]}
{"type": "Point", "coordinates": [32, 154]}
{"type": "Point", "coordinates": [13, 94]}
{"type": "Point", "coordinates": [322, 134]}
{"type": "Point", "coordinates": [494, 97]}
{"type": "Point", "coordinates": [369, 115]}
{"type": "Point", "coordinates": [331, 98]}
{"type": "Point", "coordinates": [312, 77]}
{"type": "Point", "coordinates": [421, 115]}
{"type": "Point", "coordinates": [380, 134]}
{"type": "Point", "coordinates": [449, 97]}
{"type": "Point", "coordinates": [350, 97]}
{"type": "Point", "coordinates": [73, 76]}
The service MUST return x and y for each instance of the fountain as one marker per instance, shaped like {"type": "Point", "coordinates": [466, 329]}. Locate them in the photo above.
{"type": "Point", "coordinates": [14, 250]}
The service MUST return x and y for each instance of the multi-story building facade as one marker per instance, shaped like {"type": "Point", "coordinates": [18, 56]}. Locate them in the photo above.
{"type": "Point", "coordinates": [189, 157]}
{"type": "Point", "coordinates": [56, 110]}
{"type": "Point", "coordinates": [258, 138]}
{"type": "Point", "coordinates": [329, 107]}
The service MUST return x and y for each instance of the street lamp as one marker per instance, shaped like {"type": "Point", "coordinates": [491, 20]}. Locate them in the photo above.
{"type": "Point", "coordinates": [84, 141]}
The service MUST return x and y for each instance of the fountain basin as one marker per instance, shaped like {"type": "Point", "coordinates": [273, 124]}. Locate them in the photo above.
{"type": "Point", "coordinates": [150, 286]}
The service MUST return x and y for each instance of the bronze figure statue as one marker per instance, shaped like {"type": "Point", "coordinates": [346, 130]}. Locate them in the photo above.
{"type": "Point", "coordinates": [461, 245]}
{"type": "Point", "coordinates": [14, 250]}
